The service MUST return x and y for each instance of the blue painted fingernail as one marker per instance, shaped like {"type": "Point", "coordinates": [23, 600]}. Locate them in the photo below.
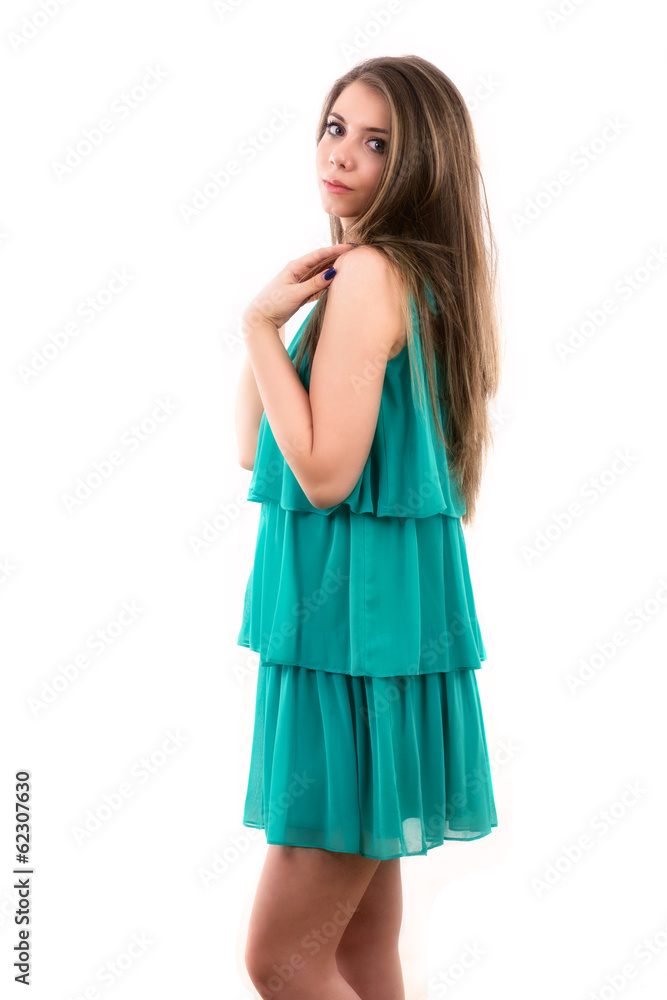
{"type": "Point", "coordinates": [329, 274]}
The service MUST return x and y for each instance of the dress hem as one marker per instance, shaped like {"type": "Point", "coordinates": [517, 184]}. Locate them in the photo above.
{"type": "Point", "coordinates": [347, 673]}
{"type": "Point", "coordinates": [376, 857]}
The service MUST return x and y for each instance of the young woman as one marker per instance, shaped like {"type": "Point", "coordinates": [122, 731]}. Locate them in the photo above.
{"type": "Point", "coordinates": [366, 439]}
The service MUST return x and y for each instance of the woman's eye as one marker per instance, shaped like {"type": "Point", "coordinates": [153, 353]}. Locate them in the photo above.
{"type": "Point", "coordinates": [338, 125]}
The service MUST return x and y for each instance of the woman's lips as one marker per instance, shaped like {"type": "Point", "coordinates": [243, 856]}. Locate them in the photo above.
{"type": "Point", "coordinates": [336, 188]}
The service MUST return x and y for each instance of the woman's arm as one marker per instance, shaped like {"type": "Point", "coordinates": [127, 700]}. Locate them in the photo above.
{"type": "Point", "coordinates": [248, 413]}
{"type": "Point", "coordinates": [325, 434]}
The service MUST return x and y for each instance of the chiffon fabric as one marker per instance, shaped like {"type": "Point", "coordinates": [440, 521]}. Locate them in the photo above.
{"type": "Point", "coordinates": [381, 766]}
{"type": "Point", "coordinates": [368, 734]}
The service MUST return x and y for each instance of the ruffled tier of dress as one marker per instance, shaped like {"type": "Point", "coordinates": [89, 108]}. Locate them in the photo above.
{"type": "Point", "coordinates": [358, 594]}
{"type": "Point", "coordinates": [380, 766]}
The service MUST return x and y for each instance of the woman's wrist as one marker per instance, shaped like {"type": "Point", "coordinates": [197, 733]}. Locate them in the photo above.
{"type": "Point", "coordinates": [253, 325]}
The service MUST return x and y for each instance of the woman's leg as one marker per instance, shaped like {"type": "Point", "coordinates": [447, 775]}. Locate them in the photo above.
{"type": "Point", "coordinates": [367, 955]}
{"type": "Point", "coordinates": [305, 899]}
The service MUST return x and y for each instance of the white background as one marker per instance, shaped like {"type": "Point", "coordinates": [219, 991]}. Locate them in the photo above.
{"type": "Point", "coordinates": [540, 92]}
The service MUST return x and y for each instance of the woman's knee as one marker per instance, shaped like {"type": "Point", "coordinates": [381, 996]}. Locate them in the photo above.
{"type": "Point", "coordinates": [270, 972]}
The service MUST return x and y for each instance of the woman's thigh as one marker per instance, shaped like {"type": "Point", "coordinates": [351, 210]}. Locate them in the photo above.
{"type": "Point", "coordinates": [376, 923]}
{"type": "Point", "coordinates": [304, 900]}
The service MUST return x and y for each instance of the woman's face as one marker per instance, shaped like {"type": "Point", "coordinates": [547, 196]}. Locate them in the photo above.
{"type": "Point", "coordinates": [352, 150]}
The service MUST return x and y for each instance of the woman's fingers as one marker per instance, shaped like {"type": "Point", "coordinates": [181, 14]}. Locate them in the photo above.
{"type": "Point", "coordinates": [314, 296]}
{"type": "Point", "coordinates": [279, 300]}
{"type": "Point", "coordinates": [317, 283]}
{"type": "Point", "coordinates": [300, 265]}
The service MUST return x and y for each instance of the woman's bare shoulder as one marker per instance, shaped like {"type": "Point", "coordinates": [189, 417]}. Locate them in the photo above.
{"type": "Point", "coordinates": [368, 276]}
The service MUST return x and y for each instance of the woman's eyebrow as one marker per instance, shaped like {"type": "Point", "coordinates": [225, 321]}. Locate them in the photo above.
{"type": "Point", "coordinates": [368, 128]}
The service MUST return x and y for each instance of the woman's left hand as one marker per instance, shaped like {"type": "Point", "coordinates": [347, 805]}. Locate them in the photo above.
{"type": "Point", "coordinates": [279, 300]}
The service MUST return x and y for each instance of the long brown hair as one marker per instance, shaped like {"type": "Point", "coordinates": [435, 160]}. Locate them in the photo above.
{"type": "Point", "coordinates": [429, 217]}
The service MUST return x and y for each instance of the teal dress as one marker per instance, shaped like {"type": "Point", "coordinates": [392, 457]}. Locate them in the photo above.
{"type": "Point", "coordinates": [368, 733]}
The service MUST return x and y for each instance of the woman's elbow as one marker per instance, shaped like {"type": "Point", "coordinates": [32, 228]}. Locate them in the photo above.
{"type": "Point", "coordinates": [246, 450]}
{"type": "Point", "coordinates": [326, 494]}
{"type": "Point", "coordinates": [318, 501]}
